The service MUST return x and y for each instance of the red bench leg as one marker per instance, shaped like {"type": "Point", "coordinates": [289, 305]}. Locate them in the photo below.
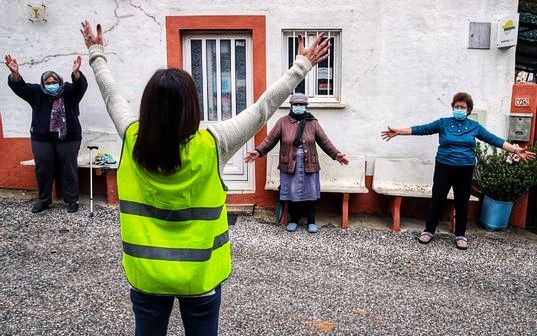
{"type": "Point", "coordinates": [396, 213]}
{"type": "Point", "coordinates": [111, 187]}
{"type": "Point", "coordinates": [345, 212]}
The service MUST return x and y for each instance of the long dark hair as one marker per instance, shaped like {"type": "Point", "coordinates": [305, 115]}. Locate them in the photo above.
{"type": "Point", "coordinates": [169, 117]}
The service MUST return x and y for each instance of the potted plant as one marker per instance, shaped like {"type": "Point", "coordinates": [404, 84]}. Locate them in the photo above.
{"type": "Point", "coordinates": [502, 177]}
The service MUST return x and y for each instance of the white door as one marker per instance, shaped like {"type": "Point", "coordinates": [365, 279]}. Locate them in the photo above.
{"type": "Point", "coordinates": [221, 66]}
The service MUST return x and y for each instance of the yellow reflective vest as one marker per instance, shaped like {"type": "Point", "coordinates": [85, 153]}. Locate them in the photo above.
{"type": "Point", "coordinates": [174, 227]}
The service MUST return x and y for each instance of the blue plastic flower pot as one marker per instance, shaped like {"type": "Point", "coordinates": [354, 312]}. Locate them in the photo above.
{"type": "Point", "coordinates": [495, 214]}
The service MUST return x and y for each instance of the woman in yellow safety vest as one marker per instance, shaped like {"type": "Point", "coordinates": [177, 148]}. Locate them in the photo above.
{"type": "Point", "coordinates": [172, 201]}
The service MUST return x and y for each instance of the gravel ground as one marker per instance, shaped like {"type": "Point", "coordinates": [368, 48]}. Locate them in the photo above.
{"type": "Point", "coordinates": [61, 275]}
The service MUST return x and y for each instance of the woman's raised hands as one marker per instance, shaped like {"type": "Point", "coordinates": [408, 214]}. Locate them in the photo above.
{"type": "Point", "coordinates": [316, 52]}
{"type": "Point", "coordinates": [13, 66]}
{"type": "Point", "coordinates": [89, 37]}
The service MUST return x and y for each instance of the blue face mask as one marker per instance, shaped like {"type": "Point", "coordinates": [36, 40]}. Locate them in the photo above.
{"type": "Point", "coordinates": [299, 109]}
{"type": "Point", "coordinates": [459, 114]}
{"type": "Point", "coordinates": [52, 88]}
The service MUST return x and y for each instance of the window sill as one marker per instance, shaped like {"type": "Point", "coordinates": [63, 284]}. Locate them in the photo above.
{"type": "Point", "coordinates": [319, 105]}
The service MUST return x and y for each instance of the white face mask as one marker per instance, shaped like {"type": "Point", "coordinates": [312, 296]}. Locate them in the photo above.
{"type": "Point", "coordinates": [299, 109]}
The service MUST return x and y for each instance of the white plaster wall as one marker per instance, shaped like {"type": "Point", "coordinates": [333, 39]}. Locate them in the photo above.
{"type": "Point", "coordinates": [136, 47]}
{"type": "Point", "coordinates": [401, 60]}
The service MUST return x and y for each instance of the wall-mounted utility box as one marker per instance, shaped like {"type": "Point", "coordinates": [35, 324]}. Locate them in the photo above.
{"type": "Point", "coordinates": [479, 35]}
{"type": "Point", "coordinates": [507, 31]}
{"type": "Point", "coordinates": [520, 126]}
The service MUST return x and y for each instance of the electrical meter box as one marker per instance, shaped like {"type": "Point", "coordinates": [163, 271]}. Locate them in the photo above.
{"type": "Point", "coordinates": [520, 126]}
{"type": "Point", "coordinates": [507, 31]}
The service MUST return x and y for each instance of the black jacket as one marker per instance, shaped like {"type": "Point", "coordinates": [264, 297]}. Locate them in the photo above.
{"type": "Point", "coordinates": [42, 107]}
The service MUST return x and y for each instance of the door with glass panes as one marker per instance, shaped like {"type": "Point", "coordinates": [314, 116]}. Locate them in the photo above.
{"type": "Point", "coordinates": [221, 66]}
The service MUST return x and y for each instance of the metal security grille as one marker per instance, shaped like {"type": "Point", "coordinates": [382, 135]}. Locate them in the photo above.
{"type": "Point", "coordinates": [219, 68]}
{"type": "Point", "coordinates": [323, 83]}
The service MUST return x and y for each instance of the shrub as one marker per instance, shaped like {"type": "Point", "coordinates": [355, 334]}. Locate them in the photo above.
{"type": "Point", "coordinates": [504, 176]}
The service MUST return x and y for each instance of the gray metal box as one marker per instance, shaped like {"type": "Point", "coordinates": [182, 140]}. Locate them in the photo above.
{"type": "Point", "coordinates": [519, 126]}
{"type": "Point", "coordinates": [479, 35]}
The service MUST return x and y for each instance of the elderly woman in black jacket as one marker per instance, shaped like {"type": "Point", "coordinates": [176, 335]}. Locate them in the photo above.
{"type": "Point", "coordinates": [55, 129]}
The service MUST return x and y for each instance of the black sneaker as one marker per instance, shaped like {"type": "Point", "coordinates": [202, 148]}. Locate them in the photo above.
{"type": "Point", "coordinates": [39, 206]}
{"type": "Point", "coordinates": [72, 207]}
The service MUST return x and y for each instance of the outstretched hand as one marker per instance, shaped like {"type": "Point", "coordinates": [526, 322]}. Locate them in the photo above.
{"type": "Point", "coordinates": [526, 155]}
{"type": "Point", "coordinates": [89, 37]}
{"type": "Point", "coordinates": [251, 157]}
{"type": "Point", "coordinates": [76, 67]}
{"type": "Point", "coordinates": [13, 66]}
{"type": "Point", "coordinates": [316, 52]}
{"type": "Point", "coordinates": [342, 158]}
{"type": "Point", "coordinates": [390, 133]}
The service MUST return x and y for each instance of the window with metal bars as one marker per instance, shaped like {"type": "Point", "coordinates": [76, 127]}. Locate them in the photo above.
{"type": "Point", "coordinates": [219, 66]}
{"type": "Point", "coordinates": [323, 83]}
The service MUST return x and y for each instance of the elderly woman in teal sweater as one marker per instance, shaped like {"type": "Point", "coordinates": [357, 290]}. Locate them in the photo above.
{"type": "Point", "coordinates": [455, 162]}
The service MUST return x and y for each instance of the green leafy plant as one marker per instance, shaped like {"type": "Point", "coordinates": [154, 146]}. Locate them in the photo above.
{"type": "Point", "coordinates": [503, 176]}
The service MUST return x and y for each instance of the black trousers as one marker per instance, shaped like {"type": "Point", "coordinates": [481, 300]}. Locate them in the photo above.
{"type": "Point", "coordinates": [199, 314]}
{"type": "Point", "coordinates": [299, 209]}
{"type": "Point", "coordinates": [445, 177]}
{"type": "Point", "coordinates": [52, 160]}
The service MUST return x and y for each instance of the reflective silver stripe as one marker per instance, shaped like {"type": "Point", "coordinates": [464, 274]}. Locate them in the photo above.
{"type": "Point", "coordinates": [175, 254]}
{"type": "Point", "coordinates": [140, 209]}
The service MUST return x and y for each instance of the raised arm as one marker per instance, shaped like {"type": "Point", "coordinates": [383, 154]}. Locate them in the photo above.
{"type": "Point", "coordinates": [327, 146]}
{"type": "Point", "coordinates": [80, 84]}
{"type": "Point", "coordinates": [232, 134]}
{"type": "Point", "coordinates": [491, 139]}
{"type": "Point", "coordinates": [116, 105]}
{"type": "Point", "coordinates": [427, 129]}
{"type": "Point", "coordinates": [266, 146]}
{"type": "Point", "coordinates": [496, 141]}
{"type": "Point", "coordinates": [26, 91]}
{"type": "Point", "coordinates": [393, 132]}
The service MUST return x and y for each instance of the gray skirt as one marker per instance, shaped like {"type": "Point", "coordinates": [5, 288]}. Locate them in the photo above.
{"type": "Point", "coordinates": [300, 186]}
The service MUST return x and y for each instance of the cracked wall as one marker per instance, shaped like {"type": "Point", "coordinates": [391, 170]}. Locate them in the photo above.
{"type": "Point", "coordinates": [402, 60]}
{"type": "Point", "coordinates": [135, 45]}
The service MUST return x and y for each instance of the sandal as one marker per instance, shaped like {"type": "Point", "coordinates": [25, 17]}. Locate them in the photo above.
{"type": "Point", "coordinates": [461, 242]}
{"type": "Point", "coordinates": [425, 237]}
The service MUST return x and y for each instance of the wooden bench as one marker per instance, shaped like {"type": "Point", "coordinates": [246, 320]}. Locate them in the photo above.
{"type": "Point", "coordinates": [107, 142]}
{"type": "Point", "coordinates": [406, 177]}
{"type": "Point", "coordinates": [334, 177]}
